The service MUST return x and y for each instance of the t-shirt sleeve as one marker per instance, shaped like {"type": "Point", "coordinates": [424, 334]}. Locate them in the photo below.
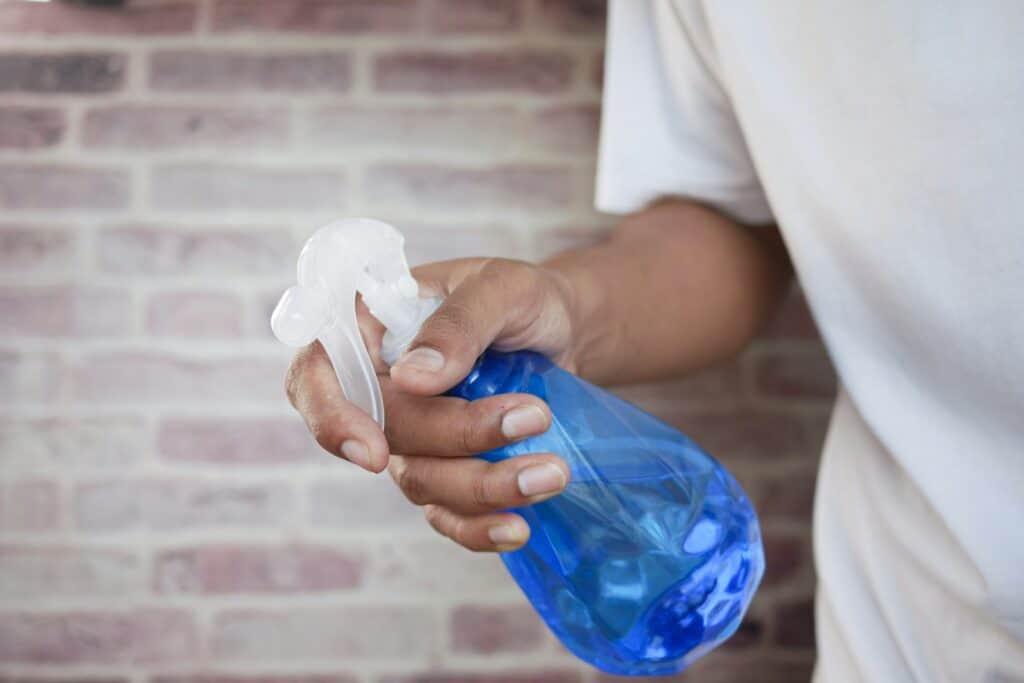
{"type": "Point", "coordinates": [668, 126]}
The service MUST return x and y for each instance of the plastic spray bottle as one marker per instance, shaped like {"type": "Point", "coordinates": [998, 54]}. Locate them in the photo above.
{"type": "Point", "coordinates": [650, 556]}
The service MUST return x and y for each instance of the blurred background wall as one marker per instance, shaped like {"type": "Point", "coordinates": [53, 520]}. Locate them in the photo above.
{"type": "Point", "coordinates": [163, 514]}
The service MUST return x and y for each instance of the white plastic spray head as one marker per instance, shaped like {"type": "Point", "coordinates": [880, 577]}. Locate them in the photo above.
{"type": "Point", "coordinates": [348, 256]}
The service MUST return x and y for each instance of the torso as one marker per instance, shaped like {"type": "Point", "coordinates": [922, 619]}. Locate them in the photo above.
{"type": "Point", "coordinates": [889, 139]}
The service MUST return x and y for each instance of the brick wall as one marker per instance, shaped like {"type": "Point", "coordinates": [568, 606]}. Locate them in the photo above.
{"type": "Point", "coordinates": [163, 515]}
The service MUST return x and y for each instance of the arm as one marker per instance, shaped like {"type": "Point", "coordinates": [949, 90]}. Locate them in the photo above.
{"type": "Point", "coordinates": [678, 287]}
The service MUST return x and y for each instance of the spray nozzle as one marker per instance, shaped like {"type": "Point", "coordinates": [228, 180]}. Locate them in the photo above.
{"type": "Point", "coordinates": [344, 257]}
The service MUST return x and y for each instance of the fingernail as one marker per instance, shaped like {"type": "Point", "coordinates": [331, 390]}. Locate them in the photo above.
{"type": "Point", "coordinates": [523, 421]}
{"type": "Point", "coordinates": [356, 452]}
{"type": "Point", "coordinates": [506, 535]}
{"type": "Point", "coordinates": [424, 359]}
{"type": "Point", "coordinates": [539, 479]}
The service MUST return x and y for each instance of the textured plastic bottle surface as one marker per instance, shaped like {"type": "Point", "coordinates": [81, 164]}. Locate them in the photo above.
{"type": "Point", "coordinates": [652, 554]}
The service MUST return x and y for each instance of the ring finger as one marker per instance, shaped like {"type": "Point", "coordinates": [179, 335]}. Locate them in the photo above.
{"type": "Point", "coordinates": [473, 486]}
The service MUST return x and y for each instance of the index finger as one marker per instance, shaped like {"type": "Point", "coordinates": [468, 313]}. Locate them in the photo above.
{"type": "Point", "coordinates": [450, 426]}
{"type": "Point", "coordinates": [338, 426]}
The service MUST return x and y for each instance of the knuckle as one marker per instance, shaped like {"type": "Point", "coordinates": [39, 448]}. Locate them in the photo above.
{"type": "Point", "coordinates": [322, 433]}
{"type": "Point", "coordinates": [454, 323]}
{"type": "Point", "coordinates": [396, 416]}
{"type": "Point", "coordinates": [484, 492]}
{"type": "Point", "coordinates": [517, 281]}
{"type": "Point", "coordinates": [510, 274]}
{"type": "Point", "coordinates": [473, 425]}
{"type": "Point", "coordinates": [460, 532]}
{"type": "Point", "coordinates": [328, 430]}
{"type": "Point", "coordinates": [412, 485]}
{"type": "Point", "coordinates": [467, 437]}
{"type": "Point", "coordinates": [501, 267]}
{"type": "Point", "coordinates": [390, 433]}
{"type": "Point", "coordinates": [434, 514]}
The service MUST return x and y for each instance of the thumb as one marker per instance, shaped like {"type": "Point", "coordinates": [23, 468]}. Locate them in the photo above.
{"type": "Point", "coordinates": [450, 340]}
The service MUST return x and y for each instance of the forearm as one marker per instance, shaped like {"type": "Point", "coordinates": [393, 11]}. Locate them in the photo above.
{"type": "Point", "coordinates": [678, 287]}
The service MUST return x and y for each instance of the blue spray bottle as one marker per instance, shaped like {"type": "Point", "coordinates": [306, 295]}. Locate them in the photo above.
{"type": "Point", "coordinates": [651, 555]}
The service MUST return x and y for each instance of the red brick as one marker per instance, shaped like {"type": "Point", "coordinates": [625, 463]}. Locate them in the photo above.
{"type": "Point", "coordinates": [49, 186]}
{"type": "Point", "coordinates": [64, 310]}
{"type": "Point", "coordinates": [425, 243]}
{"type": "Point", "coordinates": [597, 70]}
{"type": "Point", "coordinates": [785, 557]}
{"type": "Point", "coordinates": [196, 187]}
{"type": "Point", "coordinates": [148, 127]}
{"type": "Point", "coordinates": [143, 251]}
{"type": "Point", "coordinates": [509, 186]}
{"type": "Point", "coordinates": [520, 71]}
{"type": "Point", "coordinates": [750, 634]}
{"type": "Point", "coordinates": [33, 573]}
{"type": "Point", "coordinates": [729, 666]}
{"type": "Point", "coordinates": [249, 70]}
{"type": "Point", "coordinates": [517, 676]}
{"type": "Point", "coordinates": [817, 427]}
{"type": "Point", "coordinates": [792, 374]}
{"type": "Point", "coordinates": [241, 678]}
{"type": "Point", "coordinates": [571, 16]}
{"type": "Point", "coordinates": [156, 376]}
{"type": "Point", "coordinates": [793, 319]}
{"type": "Point", "coordinates": [482, 131]}
{"type": "Point", "coordinates": [214, 570]}
{"type": "Point", "coordinates": [341, 633]}
{"type": "Point", "coordinates": [136, 637]}
{"type": "Point", "coordinates": [68, 444]}
{"type": "Point", "coordinates": [434, 565]}
{"type": "Point", "coordinates": [61, 18]}
{"type": "Point", "coordinates": [365, 501]}
{"type": "Point", "coordinates": [194, 314]}
{"type": "Point", "coordinates": [476, 16]}
{"type": "Point", "coordinates": [237, 441]}
{"type": "Point", "coordinates": [30, 127]}
{"type": "Point", "coordinates": [791, 496]}
{"type": "Point", "coordinates": [794, 624]}
{"type": "Point", "coordinates": [62, 679]}
{"type": "Point", "coordinates": [178, 504]}
{"type": "Point", "coordinates": [30, 377]}
{"type": "Point", "coordinates": [571, 129]}
{"type": "Point", "coordinates": [30, 505]}
{"type": "Point", "coordinates": [747, 435]}
{"type": "Point", "coordinates": [68, 72]}
{"type": "Point", "coordinates": [316, 16]}
{"type": "Point", "coordinates": [486, 630]}
{"type": "Point", "coordinates": [36, 249]}
{"type": "Point", "coordinates": [552, 241]}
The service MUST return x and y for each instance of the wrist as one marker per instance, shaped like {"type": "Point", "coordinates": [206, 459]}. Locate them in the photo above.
{"type": "Point", "coordinates": [591, 330]}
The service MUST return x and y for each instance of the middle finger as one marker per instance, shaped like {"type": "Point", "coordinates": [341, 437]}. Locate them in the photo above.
{"type": "Point", "coordinates": [450, 426]}
{"type": "Point", "coordinates": [473, 486]}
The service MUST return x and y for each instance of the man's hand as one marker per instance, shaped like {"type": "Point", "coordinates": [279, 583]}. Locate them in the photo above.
{"type": "Point", "coordinates": [678, 287]}
{"type": "Point", "coordinates": [488, 302]}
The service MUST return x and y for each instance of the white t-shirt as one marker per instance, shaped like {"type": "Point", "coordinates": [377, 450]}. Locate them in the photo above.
{"type": "Point", "coordinates": [887, 141]}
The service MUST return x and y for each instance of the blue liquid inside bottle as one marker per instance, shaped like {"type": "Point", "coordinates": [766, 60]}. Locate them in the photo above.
{"type": "Point", "coordinates": [650, 557]}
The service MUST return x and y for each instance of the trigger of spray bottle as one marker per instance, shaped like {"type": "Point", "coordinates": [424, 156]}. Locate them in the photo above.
{"type": "Point", "coordinates": [340, 259]}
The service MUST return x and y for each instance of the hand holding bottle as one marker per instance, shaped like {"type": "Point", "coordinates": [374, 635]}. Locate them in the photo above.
{"type": "Point", "coordinates": [650, 556]}
{"type": "Point", "coordinates": [495, 303]}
